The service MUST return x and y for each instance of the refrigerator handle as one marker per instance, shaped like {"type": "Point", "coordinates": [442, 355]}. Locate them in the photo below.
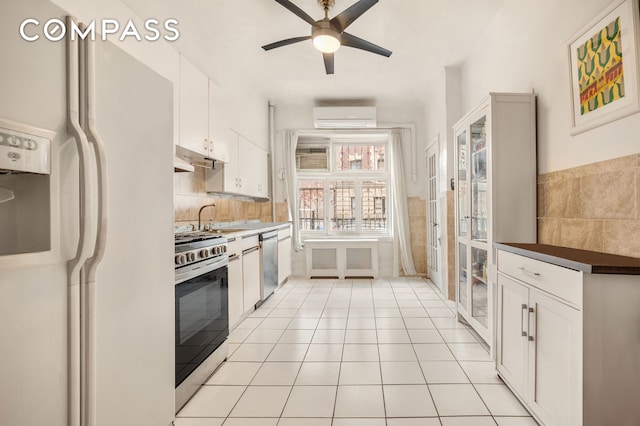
{"type": "Point", "coordinates": [83, 249]}
{"type": "Point", "coordinates": [82, 144]}
{"type": "Point", "coordinates": [101, 160]}
{"type": "Point", "coordinates": [89, 355]}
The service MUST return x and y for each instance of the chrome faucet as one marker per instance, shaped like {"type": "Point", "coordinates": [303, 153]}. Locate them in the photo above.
{"type": "Point", "coordinates": [200, 213]}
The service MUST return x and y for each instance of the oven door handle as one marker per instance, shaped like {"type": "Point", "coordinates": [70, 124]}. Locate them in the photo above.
{"type": "Point", "coordinates": [206, 267]}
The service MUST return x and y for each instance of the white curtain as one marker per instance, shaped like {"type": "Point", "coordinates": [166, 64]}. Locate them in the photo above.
{"type": "Point", "coordinates": [290, 143]}
{"type": "Point", "coordinates": [399, 201]}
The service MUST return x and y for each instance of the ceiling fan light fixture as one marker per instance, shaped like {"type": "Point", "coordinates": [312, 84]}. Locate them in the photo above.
{"type": "Point", "coordinates": [326, 40]}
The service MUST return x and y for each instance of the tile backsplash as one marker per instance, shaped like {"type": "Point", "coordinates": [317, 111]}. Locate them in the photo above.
{"type": "Point", "coordinates": [190, 195]}
{"type": "Point", "coordinates": [418, 228]}
{"type": "Point", "coordinates": [592, 207]}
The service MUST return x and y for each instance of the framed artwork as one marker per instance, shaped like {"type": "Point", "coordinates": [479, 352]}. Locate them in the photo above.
{"type": "Point", "coordinates": [603, 62]}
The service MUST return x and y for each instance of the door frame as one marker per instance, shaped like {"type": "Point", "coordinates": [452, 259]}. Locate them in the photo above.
{"type": "Point", "coordinates": [434, 149]}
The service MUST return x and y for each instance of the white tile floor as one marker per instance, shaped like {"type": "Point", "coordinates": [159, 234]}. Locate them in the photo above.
{"type": "Point", "coordinates": [354, 353]}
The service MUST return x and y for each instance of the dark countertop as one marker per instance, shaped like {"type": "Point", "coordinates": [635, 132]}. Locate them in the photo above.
{"type": "Point", "coordinates": [582, 260]}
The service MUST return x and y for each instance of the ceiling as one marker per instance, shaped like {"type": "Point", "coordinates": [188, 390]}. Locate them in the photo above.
{"type": "Point", "coordinates": [224, 38]}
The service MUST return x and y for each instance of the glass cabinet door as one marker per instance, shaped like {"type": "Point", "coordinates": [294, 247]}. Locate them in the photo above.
{"type": "Point", "coordinates": [463, 282]}
{"type": "Point", "coordinates": [479, 201]}
{"type": "Point", "coordinates": [463, 204]}
{"type": "Point", "coordinates": [479, 285]}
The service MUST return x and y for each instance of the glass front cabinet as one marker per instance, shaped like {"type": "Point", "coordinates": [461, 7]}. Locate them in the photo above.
{"type": "Point", "coordinates": [495, 193]}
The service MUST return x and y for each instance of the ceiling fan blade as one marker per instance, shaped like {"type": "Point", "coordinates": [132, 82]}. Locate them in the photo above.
{"type": "Point", "coordinates": [356, 42]}
{"type": "Point", "coordinates": [328, 62]}
{"type": "Point", "coordinates": [296, 10]}
{"type": "Point", "coordinates": [346, 18]}
{"type": "Point", "coordinates": [285, 42]}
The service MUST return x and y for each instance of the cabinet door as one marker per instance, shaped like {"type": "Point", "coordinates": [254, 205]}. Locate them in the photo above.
{"type": "Point", "coordinates": [220, 134]}
{"type": "Point", "coordinates": [236, 291]}
{"type": "Point", "coordinates": [284, 259]}
{"type": "Point", "coordinates": [463, 277]}
{"type": "Point", "coordinates": [224, 177]}
{"type": "Point", "coordinates": [252, 172]}
{"type": "Point", "coordinates": [555, 365]}
{"type": "Point", "coordinates": [251, 274]}
{"type": "Point", "coordinates": [512, 345]}
{"type": "Point", "coordinates": [194, 108]}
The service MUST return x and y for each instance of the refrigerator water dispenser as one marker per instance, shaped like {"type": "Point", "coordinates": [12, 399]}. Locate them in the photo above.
{"type": "Point", "coordinates": [25, 196]}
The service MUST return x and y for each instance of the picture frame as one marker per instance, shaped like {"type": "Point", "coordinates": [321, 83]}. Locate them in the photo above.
{"type": "Point", "coordinates": [603, 67]}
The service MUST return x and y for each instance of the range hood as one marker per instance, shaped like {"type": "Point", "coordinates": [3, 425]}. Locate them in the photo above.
{"type": "Point", "coordinates": [186, 160]}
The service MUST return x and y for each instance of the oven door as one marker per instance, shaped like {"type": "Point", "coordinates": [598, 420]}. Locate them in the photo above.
{"type": "Point", "coordinates": [201, 315]}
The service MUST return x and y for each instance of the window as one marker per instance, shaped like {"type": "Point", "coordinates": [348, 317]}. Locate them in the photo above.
{"type": "Point", "coordinates": [349, 196]}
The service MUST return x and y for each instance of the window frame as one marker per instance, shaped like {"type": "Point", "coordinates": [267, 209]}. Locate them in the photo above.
{"type": "Point", "coordinates": [358, 177]}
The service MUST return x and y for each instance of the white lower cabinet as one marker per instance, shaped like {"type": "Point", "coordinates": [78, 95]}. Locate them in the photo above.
{"type": "Point", "coordinates": [555, 349]}
{"type": "Point", "coordinates": [567, 339]}
{"type": "Point", "coordinates": [236, 290]}
{"type": "Point", "coordinates": [538, 351]}
{"type": "Point", "coordinates": [251, 272]}
{"type": "Point", "coordinates": [284, 254]}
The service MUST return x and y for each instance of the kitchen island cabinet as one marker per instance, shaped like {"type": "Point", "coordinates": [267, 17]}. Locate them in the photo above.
{"type": "Point", "coordinates": [567, 333]}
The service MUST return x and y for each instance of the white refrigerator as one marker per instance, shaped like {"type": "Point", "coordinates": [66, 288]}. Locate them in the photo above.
{"type": "Point", "coordinates": [134, 292]}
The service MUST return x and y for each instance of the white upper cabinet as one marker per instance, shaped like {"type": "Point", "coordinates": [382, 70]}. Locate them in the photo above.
{"type": "Point", "coordinates": [194, 108]}
{"type": "Point", "coordinates": [222, 141]}
{"type": "Point", "coordinates": [228, 126]}
{"type": "Point", "coordinates": [245, 173]}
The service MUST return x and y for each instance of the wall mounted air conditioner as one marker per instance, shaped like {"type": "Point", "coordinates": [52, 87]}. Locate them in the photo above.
{"type": "Point", "coordinates": [344, 117]}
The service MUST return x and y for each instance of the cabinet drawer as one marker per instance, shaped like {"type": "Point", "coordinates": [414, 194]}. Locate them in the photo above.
{"type": "Point", "coordinates": [561, 282]}
{"type": "Point", "coordinates": [250, 242]}
{"type": "Point", "coordinates": [284, 233]}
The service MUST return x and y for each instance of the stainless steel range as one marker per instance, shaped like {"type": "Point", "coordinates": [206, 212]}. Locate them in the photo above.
{"type": "Point", "coordinates": [201, 309]}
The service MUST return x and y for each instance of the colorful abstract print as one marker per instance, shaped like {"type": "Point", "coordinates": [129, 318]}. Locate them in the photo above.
{"type": "Point", "coordinates": [600, 71]}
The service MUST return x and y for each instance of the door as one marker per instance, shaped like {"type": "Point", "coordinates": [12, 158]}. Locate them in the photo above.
{"type": "Point", "coordinates": [512, 351]}
{"type": "Point", "coordinates": [555, 366]}
{"type": "Point", "coordinates": [433, 216]}
{"type": "Point", "coordinates": [462, 224]}
{"type": "Point", "coordinates": [135, 301]}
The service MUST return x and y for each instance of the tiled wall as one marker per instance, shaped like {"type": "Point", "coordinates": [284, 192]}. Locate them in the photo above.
{"type": "Point", "coordinates": [190, 194]}
{"type": "Point", "coordinates": [451, 245]}
{"type": "Point", "coordinates": [593, 207]}
{"type": "Point", "coordinates": [418, 227]}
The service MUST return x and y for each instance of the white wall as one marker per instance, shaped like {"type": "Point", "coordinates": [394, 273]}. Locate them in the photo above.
{"type": "Point", "coordinates": [524, 49]}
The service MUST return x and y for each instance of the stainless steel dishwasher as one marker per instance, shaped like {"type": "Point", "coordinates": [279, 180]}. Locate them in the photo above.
{"type": "Point", "coordinates": [269, 261]}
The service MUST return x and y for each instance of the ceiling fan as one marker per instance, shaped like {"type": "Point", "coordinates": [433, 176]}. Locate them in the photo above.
{"type": "Point", "coordinates": [329, 34]}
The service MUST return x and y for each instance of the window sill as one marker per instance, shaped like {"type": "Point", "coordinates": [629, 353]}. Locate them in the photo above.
{"type": "Point", "coordinates": [349, 238]}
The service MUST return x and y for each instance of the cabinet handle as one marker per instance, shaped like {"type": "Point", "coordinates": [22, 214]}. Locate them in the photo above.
{"type": "Point", "coordinates": [526, 271]}
{"type": "Point", "coordinates": [206, 144]}
{"type": "Point", "coordinates": [250, 250]}
{"type": "Point", "coordinates": [532, 323]}
{"type": "Point", "coordinates": [522, 319]}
